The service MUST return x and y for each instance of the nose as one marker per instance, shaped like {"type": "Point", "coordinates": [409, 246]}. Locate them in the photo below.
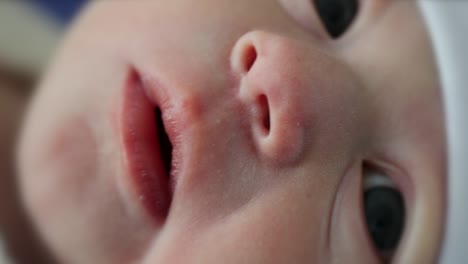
{"type": "Point", "coordinates": [275, 90]}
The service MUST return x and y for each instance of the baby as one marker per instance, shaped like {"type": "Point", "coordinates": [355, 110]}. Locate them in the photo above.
{"type": "Point", "coordinates": [247, 131]}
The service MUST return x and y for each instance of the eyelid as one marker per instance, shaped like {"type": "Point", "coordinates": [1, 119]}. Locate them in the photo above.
{"type": "Point", "coordinates": [348, 219]}
{"type": "Point", "coordinates": [369, 13]}
{"type": "Point", "coordinates": [303, 12]}
{"type": "Point", "coordinates": [363, 228]}
{"type": "Point", "coordinates": [402, 181]}
{"type": "Point", "coordinates": [399, 176]}
{"type": "Point", "coordinates": [376, 178]}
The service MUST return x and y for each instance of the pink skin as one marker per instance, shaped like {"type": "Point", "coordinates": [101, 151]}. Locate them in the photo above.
{"type": "Point", "coordinates": [271, 122]}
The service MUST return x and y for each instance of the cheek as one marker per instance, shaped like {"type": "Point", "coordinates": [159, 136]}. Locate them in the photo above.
{"type": "Point", "coordinates": [72, 203]}
{"type": "Point", "coordinates": [286, 224]}
{"type": "Point", "coordinates": [53, 160]}
{"type": "Point", "coordinates": [55, 176]}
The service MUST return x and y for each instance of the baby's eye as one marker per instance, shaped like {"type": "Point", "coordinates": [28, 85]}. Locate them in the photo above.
{"type": "Point", "coordinates": [337, 15]}
{"type": "Point", "coordinates": [384, 211]}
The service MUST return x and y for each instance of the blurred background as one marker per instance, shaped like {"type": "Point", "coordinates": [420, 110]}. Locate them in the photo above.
{"type": "Point", "coordinates": [30, 31]}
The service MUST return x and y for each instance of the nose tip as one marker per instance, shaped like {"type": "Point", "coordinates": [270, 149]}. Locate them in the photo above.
{"type": "Point", "coordinates": [271, 89]}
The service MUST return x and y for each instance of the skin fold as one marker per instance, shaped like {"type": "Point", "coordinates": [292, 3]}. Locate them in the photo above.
{"type": "Point", "coordinates": [271, 123]}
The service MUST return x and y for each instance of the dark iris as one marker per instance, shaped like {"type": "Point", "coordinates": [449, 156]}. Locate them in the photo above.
{"type": "Point", "coordinates": [336, 15]}
{"type": "Point", "coordinates": [385, 214]}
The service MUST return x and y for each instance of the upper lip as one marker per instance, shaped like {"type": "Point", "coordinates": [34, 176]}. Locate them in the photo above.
{"type": "Point", "coordinates": [147, 150]}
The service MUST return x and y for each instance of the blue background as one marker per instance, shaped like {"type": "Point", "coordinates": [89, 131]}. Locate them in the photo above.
{"type": "Point", "coordinates": [63, 11]}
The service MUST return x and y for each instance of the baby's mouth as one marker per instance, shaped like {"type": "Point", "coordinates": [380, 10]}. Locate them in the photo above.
{"type": "Point", "coordinates": [165, 145]}
{"type": "Point", "coordinates": [147, 150]}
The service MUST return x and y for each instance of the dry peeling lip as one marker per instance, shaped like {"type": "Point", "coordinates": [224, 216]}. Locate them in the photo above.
{"type": "Point", "coordinates": [147, 149]}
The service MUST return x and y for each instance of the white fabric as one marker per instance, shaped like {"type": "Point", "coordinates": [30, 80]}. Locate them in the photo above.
{"type": "Point", "coordinates": [3, 256]}
{"type": "Point", "coordinates": [447, 21]}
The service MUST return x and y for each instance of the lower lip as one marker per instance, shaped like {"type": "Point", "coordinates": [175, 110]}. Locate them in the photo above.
{"type": "Point", "coordinates": [143, 162]}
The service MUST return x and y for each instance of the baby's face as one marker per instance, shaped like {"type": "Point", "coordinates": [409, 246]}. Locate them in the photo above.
{"type": "Point", "coordinates": [222, 131]}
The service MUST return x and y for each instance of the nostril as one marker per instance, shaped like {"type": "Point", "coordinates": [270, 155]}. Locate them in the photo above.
{"type": "Point", "coordinates": [249, 57]}
{"type": "Point", "coordinates": [264, 113]}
